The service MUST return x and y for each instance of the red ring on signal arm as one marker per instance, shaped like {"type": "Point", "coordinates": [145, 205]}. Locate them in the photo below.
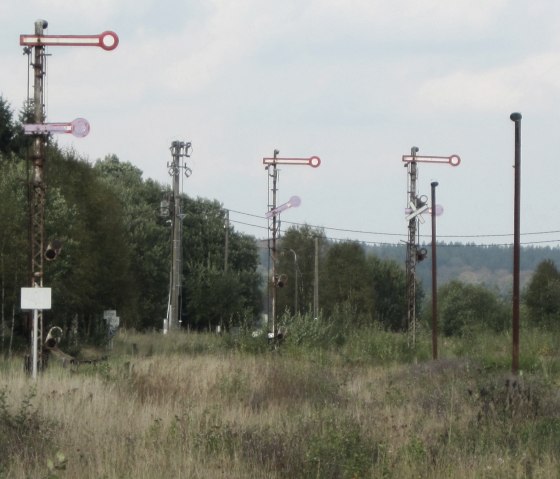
{"type": "Point", "coordinates": [111, 46]}
{"type": "Point", "coordinates": [314, 161]}
{"type": "Point", "coordinates": [454, 160]}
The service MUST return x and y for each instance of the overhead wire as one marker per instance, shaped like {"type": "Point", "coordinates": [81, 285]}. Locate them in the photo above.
{"type": "Point", "coordinates": [377, 233]}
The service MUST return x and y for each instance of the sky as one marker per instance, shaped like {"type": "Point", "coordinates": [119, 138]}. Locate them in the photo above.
{"type": "Point", "coordinates": [357, 83]}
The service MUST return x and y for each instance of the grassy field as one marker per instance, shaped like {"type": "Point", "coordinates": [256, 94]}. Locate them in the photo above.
{"type": "Point", "coordinates": [205, 406]}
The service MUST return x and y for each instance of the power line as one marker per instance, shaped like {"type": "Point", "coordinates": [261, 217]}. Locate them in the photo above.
{"type": "Point", "coordinates": [247, 224]}
{"type": "Point", "coordinates": [344, 230]}
{"type": "Point", "coordinates": [443, 245]}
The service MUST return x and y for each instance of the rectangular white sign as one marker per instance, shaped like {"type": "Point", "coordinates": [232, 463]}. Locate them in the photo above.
{"type": "Point", "coordinates": [36, 298]}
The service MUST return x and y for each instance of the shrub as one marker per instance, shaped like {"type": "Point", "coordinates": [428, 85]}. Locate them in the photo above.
{"type": "Point", "coordinates": [24, 433]}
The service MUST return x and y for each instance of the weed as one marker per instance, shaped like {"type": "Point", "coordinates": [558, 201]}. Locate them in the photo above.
{"type": "Point", "coordinates": [24, 432]}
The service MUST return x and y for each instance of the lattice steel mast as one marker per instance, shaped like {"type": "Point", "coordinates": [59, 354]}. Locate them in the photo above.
{"type": "Point", "coordinates": [416, 206]}
{"type": "Point", "coordinates": [38, 186]}
{"type": "Point", "coordinates": [39, 130]}
{"type": "Point", "coordinates": [274, 211]}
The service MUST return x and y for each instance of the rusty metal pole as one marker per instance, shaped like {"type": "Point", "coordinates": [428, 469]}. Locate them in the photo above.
{"type": "Point", "coordinates": [38, 198]}
{"type": "Point", "coordinates": [516, 118]}
{"type": "Point", "coordinates": [272, 246]}
{"type": "Point", "coordinates": [316, 280]}
{"type": "Point", "coordinates": [434, 184]}
{"type": "Point", "coordinates": [411, 256]}
{"type": "Point", "coordinates": [174, 313]}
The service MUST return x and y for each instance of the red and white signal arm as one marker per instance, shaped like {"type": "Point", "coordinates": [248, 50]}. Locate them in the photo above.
{"type": "Point", "coordinates": [313, 161]}
{"type": "Point", "coordinates": [107, 40]}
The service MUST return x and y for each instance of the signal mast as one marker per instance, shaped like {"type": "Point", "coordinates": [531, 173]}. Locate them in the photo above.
{"type": "Point", "coordinates": [179, 149]}
{"type": "Point", "coordinates": [273, 216]}
{"type": "Point", "coordinates": [40, 130]}
{"type": "Point", "coordinates": [415, 207]}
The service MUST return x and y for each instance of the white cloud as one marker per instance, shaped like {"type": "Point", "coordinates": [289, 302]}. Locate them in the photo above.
{"type": "Point", "coordinates": [534, 81]}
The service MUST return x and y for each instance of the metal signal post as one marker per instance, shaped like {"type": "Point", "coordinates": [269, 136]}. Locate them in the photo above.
{"type": "Point", "coordinates": [274, 224]}
{"type": "Point", "coordinates": [79, 128]}
{"type": "Point", "coordinates": [416, 206]}
{"type": "Point", "coordinates": [516, 118]}
{"type": "Point", "coordinates": [179, 149]}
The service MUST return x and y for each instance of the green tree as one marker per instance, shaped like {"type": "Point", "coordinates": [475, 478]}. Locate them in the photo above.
{"type": "Point", "coordinates": [347, 281]}
{"type": "Point", "coordinates": [389, 282]}
{"type": "Point", "coordinates": [93, 271]}
{"type": "Point", "coordinates": [146, 238]}
{"type": "Point", "coordinates": [542, 295]}
{"type": "Point", "coordinates": [212, 296]}
{"type": "Point", "coordinates": [465, 307]}
{"type": "Point", "coordinates": [7, 129]}
{"type": "Point", "coordinates": [296, 257]}
{"type": "Point", "coordinates": [13, 247]}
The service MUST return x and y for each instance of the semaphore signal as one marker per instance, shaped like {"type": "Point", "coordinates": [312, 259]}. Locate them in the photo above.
{"type": "Point", "coordinates": [38, 129]}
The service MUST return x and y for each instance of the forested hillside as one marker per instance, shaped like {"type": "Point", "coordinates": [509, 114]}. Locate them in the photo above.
{"type": "Point", "coordinates": [490, 266]}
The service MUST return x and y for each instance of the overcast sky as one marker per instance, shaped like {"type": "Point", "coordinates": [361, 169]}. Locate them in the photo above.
{"type": "Point", "coordinates": [355, 82]}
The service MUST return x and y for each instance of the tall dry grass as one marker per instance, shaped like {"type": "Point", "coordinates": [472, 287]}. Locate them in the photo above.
{"type": "Point", "coordinates": [186, 406]}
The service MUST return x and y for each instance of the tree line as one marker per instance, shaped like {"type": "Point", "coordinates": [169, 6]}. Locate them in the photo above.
{"type": "Point", "coordinates": [115, 246]}
{"type": "Point", "coordinates": [116, 256]}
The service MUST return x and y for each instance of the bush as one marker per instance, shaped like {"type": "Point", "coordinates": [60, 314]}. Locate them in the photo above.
{"type": "Point", "coordinates": [24, 433]}
{"type": "Point", "coordinates": [466, 307]}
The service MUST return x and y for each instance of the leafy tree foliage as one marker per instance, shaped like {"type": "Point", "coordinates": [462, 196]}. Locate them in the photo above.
{"type": "Point", "coordinates": [212, 295]}
{"type": "Point", "coordinates": [146, 237]}
{"type": "Point", "coordinates": [347, 279]}
{"type": "Point", "coordinates": [352, 281]}
{"type": "Point", "coordinates": [116, 247]}
{"type": "Point", "coordinates": [93, 272]}
{"type": "Point", "coordinates": [13, 246]}
{"type": "Point", "coordinates": [7, 128]}
{"type": "Point", "coordinates": [296, 257]}
{"type": "Point", "coordinates": [465, 307]}
{"type": "Point", "coordinates": [542, 295]}
{"type": "Point", "coordinates": [389, 283]}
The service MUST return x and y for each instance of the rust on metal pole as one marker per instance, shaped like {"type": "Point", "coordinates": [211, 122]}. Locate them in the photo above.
{"type": "Point", "coordinates": [516, 118]}
{"type": "Point", "coordinates": [434, 275]}
{"type": "Point", "coordinates": [38, 194]}
{"type": "Point", "coordinates": [275, 228]}
{"type": "Point", "coordinates": [411, 257]}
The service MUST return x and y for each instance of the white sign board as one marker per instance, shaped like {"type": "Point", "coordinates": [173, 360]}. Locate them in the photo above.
{"type": "Point", "coordinates": [114, 322]}
{"type": "Point", "coordinates": [111, 317]}
{"type": "Point", "coordinates": [36, 298]}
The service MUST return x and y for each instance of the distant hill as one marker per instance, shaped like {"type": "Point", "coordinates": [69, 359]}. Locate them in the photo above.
{"type": "Point", "coordinates": [490, 266]}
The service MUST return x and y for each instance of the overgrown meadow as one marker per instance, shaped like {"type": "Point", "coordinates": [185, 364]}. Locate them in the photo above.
{"type": "Point", "coordinates": [323, 404]}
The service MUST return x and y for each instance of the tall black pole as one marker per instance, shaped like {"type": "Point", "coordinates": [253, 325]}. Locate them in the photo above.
{"type": "Point", "coordinates": [516, 118]}
{"type": "Point", "coordinates": [434, 275]}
